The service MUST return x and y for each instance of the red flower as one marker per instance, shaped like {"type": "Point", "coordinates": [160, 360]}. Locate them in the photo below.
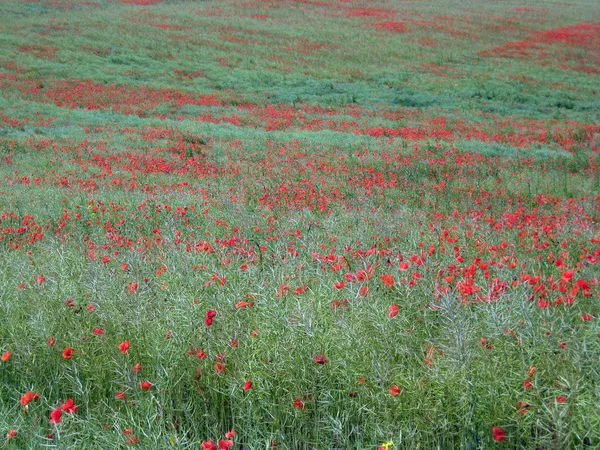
{"type": "Point", "coordinates": [51, 341]}
{"type": "Point", "coordinates": [498, 434]}
{"type": "Point", "coordinates": [201, 355]}
{"type": "Point", "coordinates": [225, 444]}
{"type": "Point", "coordinates": [68, 353]}
{"type": "Point", "coordinates": [145, 385]}
{"type": "Point", "coordinates": [220, 368]}
{"type": "Point", "coordinates": [11, 434]}
{"type": "Point", "coordinates": [247, 385]}
{"type": "Point", "coordinates": [395, 390]}
{"type": "Point", "coordinates": [320, 359]}
{"type": "Point", "coordinates": [230, 434]}
{"type": "Point", "coordinates": [209, 445]}
{"type": "Point", "coordinates": [137, 368]}
{"type": "Point", "coordinates": [55, 416]}
{"type": "Point", "coordinates": [98, 331]}
{"type": "Point", "coordinates": [124, 346]}
{"type": "Point", "coordinates": [120, 395]}
{"type": "Point", "coordinates": [527, 385]}
{"type": "Point", "coordinates": [69, 407]}
{"type": "Point", "coordinates": [393, 311]}
{"type": "Point", "coordinates": [299, 404]}
{"type": "Point", "coordinates": [388, 280]}
{"type": "Point", "coordinates": [210, 315]}
{"type": "Point", "coordinates": [586, 317]}
{"type": "Point", "coordinates": [560, 399]}
{"type": "Point", "coordinates": [28, 397]}
{"type": "Point", "coordinates": [133, 287]}
{"type": "Point", "coordinates": [5, 356]}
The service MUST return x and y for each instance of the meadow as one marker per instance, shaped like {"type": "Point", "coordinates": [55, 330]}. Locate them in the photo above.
{"type": "Point", "coordinates": [304, 224]}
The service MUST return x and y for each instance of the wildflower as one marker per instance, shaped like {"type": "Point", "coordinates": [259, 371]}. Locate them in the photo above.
{"type": "Point", "coordinates": [225, 444]}
{"type": "Point", "coordinates": [68, 353]}
{"type": "Point", "coordinates": [5, 356]}
{"type": "Point", "coordinates": [120, 395]}
{"type": "Point", "coordinates": [247, 385]}
{"type": "Point", "coordinates": [51, 341]}
{"type": "Point", "coordinates": [209, 445]}
{"type": "Point", "coordinates": [210, 315]}
{"type": "Point", "coordinates": [137, 368]}
{"type": "Point", "coordinates": [395, 390]}
{"type": "Point", "coordinates": [527, 385]}
{"type": "Point", "coordinates": [393, 311]}
{"type": "Point", "coordinates": [220, 368]}
{"type": "Point", "coordinates": [28, 397]}
{"type": "Point", "coordinates": [124, 346]}
{"type": "Point", "coordinates": [586, 317]}
{"type": "Point", "coordinates": [299, 404]}
{"type": "Point", "coordinates": [69, 407]}
{"type": "Point", "coordinates": [55, 416]}
{"type": "Point", "coordinates": [201, 355]}
{"type": "Point", "coordinates": [560, 399]}
{"type": "Point", "coordinates": [388, 280]}
{"type": "Point", "coordinates": [230, 434]}
{"type": "Point", "coordinates": [498, 434]}
{"type": "Point", "coordinates": [98, 331]}
{"type": "Point", "coordinates": [386, 446]}
{"type": "Point", "coordinates": [145, 385]}
{"type": "Point", "coordinates": [11, 434]}
{"type": "Point", "coordinates": [320, 359]}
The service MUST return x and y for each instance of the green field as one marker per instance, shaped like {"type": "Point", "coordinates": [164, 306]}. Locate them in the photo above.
{"type": "Point", "coordinates": [303, 224]}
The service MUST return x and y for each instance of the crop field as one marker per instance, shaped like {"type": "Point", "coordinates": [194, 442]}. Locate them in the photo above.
{"type": "Point", "coordinates": [300, 225]}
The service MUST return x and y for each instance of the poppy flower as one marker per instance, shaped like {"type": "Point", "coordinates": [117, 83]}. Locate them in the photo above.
{"type": "Point", "coordinates": [28, 397]}
{"type": "Point", "coordinates": [395, 390]}
{"type": "Point", "coordinates": [299, 404]}
{"type": "Point", "coordinates": [388, 280]}
{"type": "Point", "coordinates": [69, 407]}
{"type": "Point", "coordinates": [320, 359]}
{"type": "Point", "coordinates": [586, 317]}
{"type": "Point", "coordinates": [98, 331]}
{"type": "Point", "coordinates": [210, 315]}
{"type": "Point", "coordinates": [56, 415]}
{"type": "Point", "coordinates": [120, 395]}
{"type": "Point", "coordinates": [527, 385]}
{"type": "Point", "coordinates": [220, 368]}
{"type": "Point", "coordinates": [124, 346]}
{"type": "Point", "coordinates": [247, 385]}
{"type": "Point", "coordinates": [498, 434]}
{"type": "Point", "coordinates": [132, 288]}
{"type": "Point", "coordinates": [5, 356]}
{"type": "Point", "coordinates": [230, 434]}
{"type": "Point", "coordinates": [201, 355]}
{"type": "Point", "coordinates": [560, 399]}
{"type": "Point", "coordinates": [209, 445]}
{"type": "Point", "coordinates": [137, 368]}
{"type": "Point", "coordinates": [145, 385]}
{"type": "Point", "coordinates": [51, 341]}
{"type": "Point", "coordinates": [393, 311]}
{"type": "Point", "coordinates": [225, 444]}
{"type": "Point", "coordinates": [11, 434]}
{"type": "Point", "coordinates": [68, 353]}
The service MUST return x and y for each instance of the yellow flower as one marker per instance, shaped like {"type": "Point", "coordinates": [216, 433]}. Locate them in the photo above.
{"type": "Point", "coordinates": [387, 445]}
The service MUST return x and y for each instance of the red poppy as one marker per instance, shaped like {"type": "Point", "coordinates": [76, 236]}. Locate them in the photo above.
{"type": "Point", "coordinates": [560, 399]}
{"type": "Point", "coordinates": [586, 317]}
{"type": "Point", "coordinates": [209, 445]}
{"type": "Point", "coordinates": [320, 359]}
{"type": "Point", "coordinates": [120, 395]}
{"type": "Point", "coordinates": [68, 353]}
{"type": "Point", "coordinates": [145, 385]}
{"type": "Point", "coordinates": [55, 416]}
{"type": "Point", "coordinates": [498, 434]}
{"type": "Point", "coordinates": [28, 397]}
{"type": "Point", "coordinates": [393, 311]}
{"type": "Point", "coordinates": [395, 390]}
{"type": "Point", "coordinates": [247, 385]}
{"type": "Point", "coordinates": [11, 434]}
{"type": "Point", "coordinates": [201, 355]}
{"type": "Point", "coordinates": [388, 280]}
{"type": "Point", "coordinates": [51, 341]}
{"type": "Point", "coordinates": [210, 315]}
{"type": "Point", "coordinates": [69, 407]}
{"type": "Point", "coordinates": [124, 346]}
{"type": "Point", "coordinates": [132, 288]}
{"type": "Point", "coordinates": [137, 368]}
{"type": "Point", "coordinates": [299, 404]}
{"type": "Point", "coordinates": [527, 385]}
{"type": "Point", "coordinates": [230, 434]}
{"type": "Point", "coordinates": [98, 331]}
{"type": "Point", "coordinates": [220, 368]}
{"type": "Point", "coordinates": [5, 356]}
{"type": "Point", "coordinates": [225, 444]}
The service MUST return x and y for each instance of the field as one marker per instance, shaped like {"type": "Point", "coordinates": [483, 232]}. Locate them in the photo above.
{"type": "Point", "coordinates": [304, 224]}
